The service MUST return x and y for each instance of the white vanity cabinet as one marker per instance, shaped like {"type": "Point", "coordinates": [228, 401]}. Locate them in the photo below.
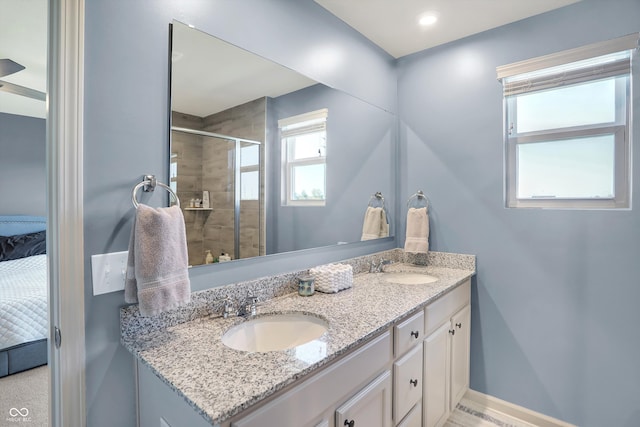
{"type": "Point", "coordinates": [345, 391]}
{"type": "Point", "coordinates": [446, 354]}
{"type": "Point", "coordinates": [370, 407]}
{"type": "Point", "coordinates": [413, 418]}
{"type": "Point", "coordinates": [407, 368]}
{"type": "Point", "coordinates": [410, 375]}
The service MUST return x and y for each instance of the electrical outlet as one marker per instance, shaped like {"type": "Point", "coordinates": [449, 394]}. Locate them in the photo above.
{"type": "Point", "coordinates": [108, 272]}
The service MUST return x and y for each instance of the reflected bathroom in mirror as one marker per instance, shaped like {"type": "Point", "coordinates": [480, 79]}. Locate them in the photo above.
{"type": "Point", "coordinates": [265, 160]}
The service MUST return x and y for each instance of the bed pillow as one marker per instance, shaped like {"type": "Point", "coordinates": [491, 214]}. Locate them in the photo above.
{"type": "Point", "coordinates": [22, 245]}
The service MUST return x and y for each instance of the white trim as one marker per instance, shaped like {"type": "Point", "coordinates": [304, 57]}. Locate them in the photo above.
{"type": "Point", "coordinates": [514, 410]}
{"type": "Point", "coordinates": [572, 55]}
{"type": "Point", "coordinates": [65, 212]}
{"type": "Point", "coordinates": [312, 115]}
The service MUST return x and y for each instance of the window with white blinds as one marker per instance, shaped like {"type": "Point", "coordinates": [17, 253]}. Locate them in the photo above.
{"type": "Point", "coordinates": [567, 127]}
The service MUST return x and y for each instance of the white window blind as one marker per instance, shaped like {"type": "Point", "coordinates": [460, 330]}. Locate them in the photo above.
{"type": "Point", "coordinates": [567, 127]}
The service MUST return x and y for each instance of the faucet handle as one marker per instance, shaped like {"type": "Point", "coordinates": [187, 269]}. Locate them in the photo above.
{"type": "Point", "coordinates": [252, 302]}
{"type": "Point", "coordinates": [228, 308]}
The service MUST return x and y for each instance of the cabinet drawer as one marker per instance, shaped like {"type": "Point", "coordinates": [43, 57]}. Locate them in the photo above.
{"type": "Point", "coordinates": [306, 401]}
{"type": "Point", "coordinates": [413, 418]}
{"type": "Point", "coordinates": [408, 333]}
{"type": "Point", "coordinates": [370, 407]}
{"type": "Point", "coordinates": [442, 309]}
{"type": "Point", "coordinates": [407, 382]}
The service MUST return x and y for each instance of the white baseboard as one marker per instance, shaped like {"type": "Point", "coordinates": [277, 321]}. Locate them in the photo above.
{"type": "Point", "coordinates": [514, 410]}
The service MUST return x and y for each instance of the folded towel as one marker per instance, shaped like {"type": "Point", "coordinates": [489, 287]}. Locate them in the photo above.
{"type": "Point", "coordinates": [157, 266]}
{"type": "Point", "coordinates": [417, 239]}
{"type": "Point", "coordinates": [374, 220]}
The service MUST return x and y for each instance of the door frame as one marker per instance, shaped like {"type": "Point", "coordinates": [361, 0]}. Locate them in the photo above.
{"type": "Point", "coordinates": [65, 246]}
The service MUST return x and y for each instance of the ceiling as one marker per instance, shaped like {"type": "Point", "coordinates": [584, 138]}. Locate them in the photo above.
{"type": "Point", "coordinates": [393, 24]}
{"type": "Point", "coordinates": [23, 38]}
{"type": "Point", "coordinates": [226, 75]}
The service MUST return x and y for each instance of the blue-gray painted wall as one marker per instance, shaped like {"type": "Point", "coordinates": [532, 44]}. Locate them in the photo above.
{"type": "Point", "coordinates": [23, 179]}
{"type": "Point", "coordinates": [555, 301]}
{"type": "Point", "coordinates": [125, 136]}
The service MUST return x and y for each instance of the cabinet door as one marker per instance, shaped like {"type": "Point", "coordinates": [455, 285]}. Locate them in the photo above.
{"type": "Point", "coordinates": [370, 407]}
{"type": "Point", "coordinates": [461, 324]}
{"type": "Point", "coordinates": [436, 377]}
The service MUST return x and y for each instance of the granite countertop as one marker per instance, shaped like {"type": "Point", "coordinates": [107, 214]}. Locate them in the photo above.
{"type": "Point", "coordinates": [219, 382]}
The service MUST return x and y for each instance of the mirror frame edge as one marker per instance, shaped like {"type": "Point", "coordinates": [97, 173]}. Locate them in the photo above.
{"type": "Point", "coordinates": [389, 242]}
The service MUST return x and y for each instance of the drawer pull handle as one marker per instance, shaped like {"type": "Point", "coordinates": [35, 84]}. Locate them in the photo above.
{"type": "Point", "coordinates": [415, 334]}
{"type": "Point", "coordinates": [414, 383]}
{"type": "Point", "coordinates": [452, 331]}
{"type": "Point", "coordinates": [458, 325]}
{"type": "Point", "coordinates": [349, 423]}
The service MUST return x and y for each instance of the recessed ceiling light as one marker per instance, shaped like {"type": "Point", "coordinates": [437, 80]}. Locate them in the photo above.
{"type": "Point", "coordinates": [427, 19]}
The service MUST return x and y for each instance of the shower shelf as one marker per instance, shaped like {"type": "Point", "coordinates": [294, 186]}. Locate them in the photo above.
{"type": "Point", "coordinates": [198, 209]}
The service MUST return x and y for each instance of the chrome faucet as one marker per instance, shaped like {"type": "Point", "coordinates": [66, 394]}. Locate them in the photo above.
{"type": "Point", "coordinates": [228, 309]}
{"type": "Point", "coordinates": [379, 268]}
{"type": "Point", "coordinates": [250, 306]}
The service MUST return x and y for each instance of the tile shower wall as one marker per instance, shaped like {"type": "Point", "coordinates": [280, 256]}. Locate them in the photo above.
{"type": "Point", "coordinates": [186, 152]}
{"type": "Point", "coordinates": [206, 163]}
{"type": "Point", "coordinates": [247, 121]}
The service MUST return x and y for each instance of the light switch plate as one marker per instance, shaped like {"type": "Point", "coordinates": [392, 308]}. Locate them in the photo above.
{"type": "Point", "coordinates": [108, 272]}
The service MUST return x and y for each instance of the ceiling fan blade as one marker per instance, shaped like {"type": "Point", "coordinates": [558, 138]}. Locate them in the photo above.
{"type": "Point", "coordinates": [8, 66]}
{"type": "Point", "coordinates": [21, 90]}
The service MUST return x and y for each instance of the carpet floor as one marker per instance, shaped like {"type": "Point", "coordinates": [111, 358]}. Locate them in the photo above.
{"type": "Point", "coordinates": [24, 398]}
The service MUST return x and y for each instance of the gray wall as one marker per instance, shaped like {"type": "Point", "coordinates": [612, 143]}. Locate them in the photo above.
{"type": "Point", "coordinates": [126, 136]}
{"type": "Point", "coordinates": [555, 300]}
{"type": "Point", "coordinates": [360, 161]}
{"type": "Point", "coordinates": [23, 179]}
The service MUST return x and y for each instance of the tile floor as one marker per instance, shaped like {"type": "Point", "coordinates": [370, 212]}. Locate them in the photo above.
{"type": "Point", "coordinates": [471, 414]}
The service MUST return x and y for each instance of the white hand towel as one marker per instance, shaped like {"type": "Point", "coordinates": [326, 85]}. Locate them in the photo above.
{"type": "Point", "coordinates": [384, 225]}
{"type": "Point", "coordinates": [157, 266]}
{"type": "Point", "coordinates": [417, 239]}
{"type": "Point", "coordinates": [373, 222]}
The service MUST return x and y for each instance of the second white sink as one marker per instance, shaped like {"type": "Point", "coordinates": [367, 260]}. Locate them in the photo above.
{"type": "Point", "coordinates": [274, 332]}
{"type": "Point", "coordinates": [409, 278]}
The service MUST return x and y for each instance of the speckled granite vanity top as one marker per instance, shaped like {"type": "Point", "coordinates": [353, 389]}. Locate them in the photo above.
{"type": "Point", "coordinates": [186, 352]}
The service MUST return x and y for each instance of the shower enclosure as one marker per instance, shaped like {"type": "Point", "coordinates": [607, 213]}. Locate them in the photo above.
{"type": "Point", "coordinates": [230, 170]}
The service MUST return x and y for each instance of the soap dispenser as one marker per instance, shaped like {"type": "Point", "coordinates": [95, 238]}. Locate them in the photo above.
{"type": "Point", "coordinates": [208, 258]}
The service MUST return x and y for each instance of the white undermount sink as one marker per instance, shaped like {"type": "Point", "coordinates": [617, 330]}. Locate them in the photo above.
{"type": "Point", "coordinates": [274, 332]}
{"type": "Point", "coordinates": [409, 278]}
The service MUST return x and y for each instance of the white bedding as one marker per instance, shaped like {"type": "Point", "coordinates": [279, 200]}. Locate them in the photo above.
{"type": "Point", "coordinates": [23, 300]}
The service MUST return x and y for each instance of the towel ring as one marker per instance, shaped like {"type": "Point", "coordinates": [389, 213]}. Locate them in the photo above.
{"type": "Point", "coordinates": [419, 197]}
{"type": "Point", "coordinates": [149, 183]}
{"type": "Point", "coordinates": [376, 199]}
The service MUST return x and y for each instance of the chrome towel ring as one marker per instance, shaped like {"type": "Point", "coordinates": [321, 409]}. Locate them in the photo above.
{"type": "Point", "coordinates": [419, 200]}
{"type": "Point", "coordinates": [149, 183]}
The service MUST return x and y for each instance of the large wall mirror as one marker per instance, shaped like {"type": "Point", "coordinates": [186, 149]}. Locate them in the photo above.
{"type": "Point", "coordinates": [265, 160]}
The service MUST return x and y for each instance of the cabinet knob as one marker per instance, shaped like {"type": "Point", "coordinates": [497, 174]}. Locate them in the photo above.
{"type": "Point", "coordinates": [414, 383]}
{"type": "Point", "coordinates": [349, 423]}
{"type": "Point", "coordinates": [452, 331]}
{"type": "Point", "coordinates": [458, 325]}
{"type": "Point", "coordinates": [415, 334]}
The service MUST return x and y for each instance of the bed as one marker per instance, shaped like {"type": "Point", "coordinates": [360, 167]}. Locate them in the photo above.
{"type": "Point", "coordinates": [23, 293]}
